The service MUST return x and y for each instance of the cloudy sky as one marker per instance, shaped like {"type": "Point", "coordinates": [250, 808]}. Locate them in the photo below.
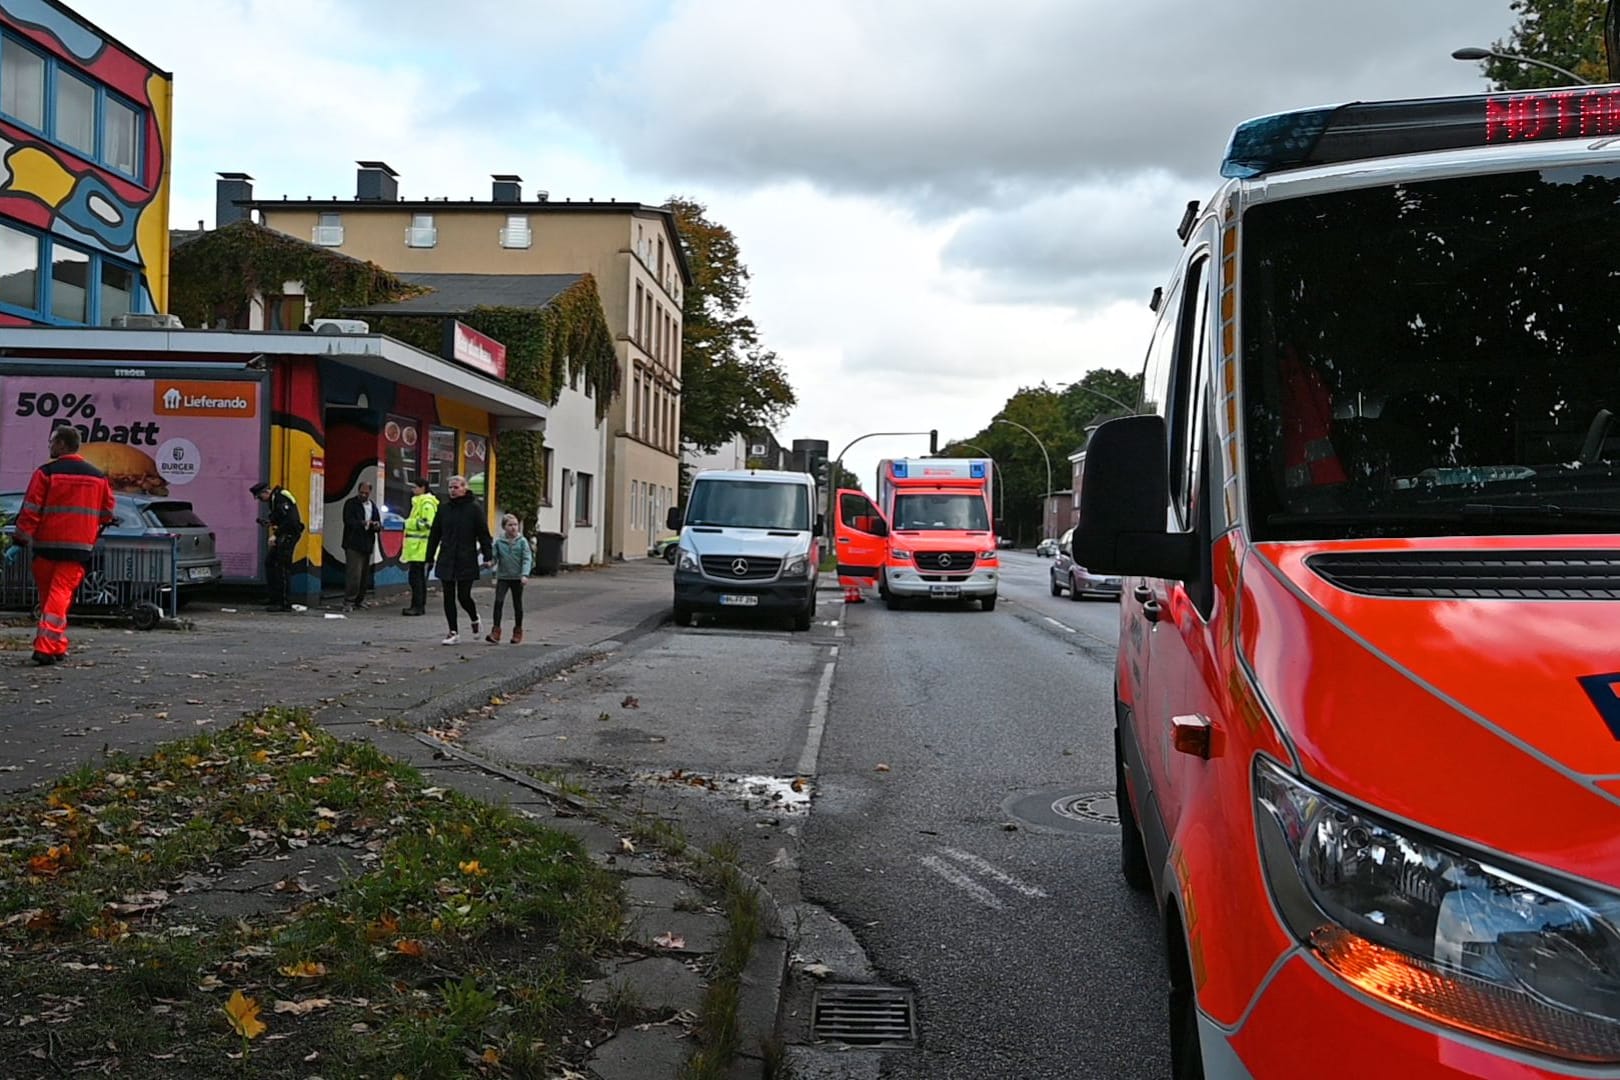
{"type": "Point", "coordinates": [939, 201]}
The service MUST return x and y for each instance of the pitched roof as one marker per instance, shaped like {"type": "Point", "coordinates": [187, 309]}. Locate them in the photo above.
{"type": "Point", "coordinates": [457, 294]}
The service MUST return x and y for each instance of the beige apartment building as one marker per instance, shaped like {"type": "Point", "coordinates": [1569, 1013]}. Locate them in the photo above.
{"type": "Point", "coordinates": [634, 253]}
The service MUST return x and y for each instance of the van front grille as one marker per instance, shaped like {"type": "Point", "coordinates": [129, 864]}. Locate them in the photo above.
{"type": "Point", "coordinates": [1475, 575]}
{"type": "Point", "coordinates": [741, 567]}
{"type": "Point", "coordinates": [950, 562]}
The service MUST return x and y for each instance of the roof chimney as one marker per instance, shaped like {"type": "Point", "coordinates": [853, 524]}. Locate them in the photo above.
{"type": "Point", "coordinates": [508, 188]}
{"type": "Point", "coordinates": [376, 182]}
{"type": "Point", "coordinates": [230, 189]}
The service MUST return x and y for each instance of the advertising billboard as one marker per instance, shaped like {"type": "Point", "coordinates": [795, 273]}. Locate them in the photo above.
{"type": "Point", "coordinates": [196, 440]}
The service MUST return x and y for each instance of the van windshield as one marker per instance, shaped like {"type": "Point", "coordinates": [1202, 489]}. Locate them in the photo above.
{"type": "Point", "coordinates": [1436, 358]}
{"type": "Point", "coordinates": [940, 512]}
{"type": "Point", "coordinates": [750, 504]}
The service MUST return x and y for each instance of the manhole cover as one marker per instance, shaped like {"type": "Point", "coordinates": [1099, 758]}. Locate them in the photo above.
{"type": "Point", "coordinates": [1066, 810]}
{"type": "Point", "coordinates": [880, 1016]}
{"type": "Point", "coordinates": [1091, 806]}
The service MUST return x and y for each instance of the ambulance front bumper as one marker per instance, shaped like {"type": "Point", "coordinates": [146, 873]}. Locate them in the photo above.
{"type": "Point", "coordinates": [908, 582]}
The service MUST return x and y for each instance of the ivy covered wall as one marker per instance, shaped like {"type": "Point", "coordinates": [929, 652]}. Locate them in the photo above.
{"type": "Point", "coordinates": [222, 270]}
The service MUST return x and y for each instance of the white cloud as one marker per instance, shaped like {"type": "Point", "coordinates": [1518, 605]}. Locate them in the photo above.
{"type": "Point", "coordinates": [939, 202]}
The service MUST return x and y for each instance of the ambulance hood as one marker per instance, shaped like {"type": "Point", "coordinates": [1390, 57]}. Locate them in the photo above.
{"type": "Point", "coordinates": [1473, 704]}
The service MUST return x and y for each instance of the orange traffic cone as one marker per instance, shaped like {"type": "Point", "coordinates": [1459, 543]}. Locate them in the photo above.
{"type": "Point", "coordinates": [852, 595]}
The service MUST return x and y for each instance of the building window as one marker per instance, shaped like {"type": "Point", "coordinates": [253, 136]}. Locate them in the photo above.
{"type": "Point", "coordinates": [70, 280]}
{"type": "Point", "coordinates": [117, 291]}
{"type": "Point", "coordinates": [421, 232]}
{"type": "Point", "coordinates": [75, 114]}
{"type": "Point", "coordinates": [546, 456]}
{"type": "Point", "coordinates": [120, 136]}
{"type": "Point", "coordinates": [19, 269]}
{"type": "Point", "coordinates": [285, 312]}
{"type": "Point", "coordinates": [22, 84]}
{"type": "Point", "coordinates": [646, 411]}
{"type": "Point", "coordinates": [329, 230]}
{"type": "Point", "coordinates": [638, 513]}
{"type": "Point", "coordinates": [582, 499]}
{"type": "Point", "coordinates": [636, 336]}
{"type": "Point", "coordinates": [47, 96]}
{"type": "Point", "coordinates": [442, 445]}
{"type": "Point", "coordinates": [516, 234]}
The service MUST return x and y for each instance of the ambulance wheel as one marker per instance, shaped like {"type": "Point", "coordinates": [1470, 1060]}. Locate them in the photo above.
{"type": "Point", "coordinates": [1133, 863]}
{"type": "Point", "coordinates": [988, 603]}
{"type": "Point", "coordinates": [683, 615]}
{"type": "Point", "coordinates": [893, 602]}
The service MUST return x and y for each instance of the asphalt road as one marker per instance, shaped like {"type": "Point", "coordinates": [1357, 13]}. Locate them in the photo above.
{"type": "Point", "coordinates": [1028, 955]}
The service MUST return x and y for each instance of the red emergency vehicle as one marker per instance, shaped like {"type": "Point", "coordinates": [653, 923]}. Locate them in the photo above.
{"type": "Point", "coordinates": [929, 536]}
{"type": "Point", "coordinates": [1367, 699]}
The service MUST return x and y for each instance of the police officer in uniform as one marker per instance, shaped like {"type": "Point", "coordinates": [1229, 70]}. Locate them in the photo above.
{"type": "Point", "coordinates": [286, 526]}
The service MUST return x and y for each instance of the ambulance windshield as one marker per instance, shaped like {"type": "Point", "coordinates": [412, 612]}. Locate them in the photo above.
{"type": "Point", "coordinates": [964, 512]}
{"type": "Point", "coordinates": [1436, 358]}
{"type": "Point", "coordinates": [750, 504]}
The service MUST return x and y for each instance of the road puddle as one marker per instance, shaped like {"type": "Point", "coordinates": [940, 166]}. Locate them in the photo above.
{"type": "Point", "coordinates": [784, 795]}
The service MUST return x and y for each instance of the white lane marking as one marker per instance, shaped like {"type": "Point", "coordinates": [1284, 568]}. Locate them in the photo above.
{"type": "Point", "coordinates": [1060, 626]}
{"type": "Point", "coordinates": [962, 881]}
{"type": "Point", "coordinates": [818, 717]}
{"type": "Point", "coordinates": [989, 870]}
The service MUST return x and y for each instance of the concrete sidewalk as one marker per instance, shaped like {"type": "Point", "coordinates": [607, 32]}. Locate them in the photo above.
{"type": "Point", "coordinates": [126, 690]}
{"type": "Point", "coordinates": [366, 676]}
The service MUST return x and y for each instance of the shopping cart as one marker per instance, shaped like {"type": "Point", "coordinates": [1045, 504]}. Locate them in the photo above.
{"type": "Point", "coordinates": [129, 577]}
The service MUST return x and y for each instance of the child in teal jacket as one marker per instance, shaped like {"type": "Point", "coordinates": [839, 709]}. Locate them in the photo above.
{"type": "Point", "coordinates": [514, 558]}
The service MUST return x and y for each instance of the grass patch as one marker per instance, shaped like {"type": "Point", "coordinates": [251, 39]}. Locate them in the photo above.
{"type": "Point", "coordinates": [716, 1028]}
{"type": "Point", "coordinates": [454, 947]}
{"type": "Point", "coordinates": [829, 563]}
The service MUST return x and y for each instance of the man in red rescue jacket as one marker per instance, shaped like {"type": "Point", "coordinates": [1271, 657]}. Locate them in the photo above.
{"type": "Point", "coordinates": [67, 504]}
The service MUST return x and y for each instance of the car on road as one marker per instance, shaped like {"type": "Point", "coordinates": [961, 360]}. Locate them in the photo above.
{"type": "Point", "coordinates": [665, 549]}
{"type": "Point", "coordinates": [196, 561]}
{"type": "Point", "coordinates": [1047, 548]}
{"type": "Point", "coordinates": [1070, 577]}
{"type": "Point", "coordinates": [1366, 696]}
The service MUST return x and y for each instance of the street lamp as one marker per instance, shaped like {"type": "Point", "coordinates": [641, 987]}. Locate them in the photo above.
{"type": "Point", "coordinates": [833, 473]}
{"type": "Point", "coordinates": [1131, 409]}
{"type": "Point", "coordinates": [1473, 53]}
{"type": "Point", "coordinates": [1047, 498]}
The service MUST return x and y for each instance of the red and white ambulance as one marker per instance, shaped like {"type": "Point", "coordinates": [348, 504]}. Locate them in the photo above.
{"type": "Point", "coordinates": [929, 536]}
{"type": "Point", "coordinates": [1368, 688]}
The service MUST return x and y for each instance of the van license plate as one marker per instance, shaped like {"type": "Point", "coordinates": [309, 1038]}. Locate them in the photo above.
{"type": "Point", "coordinates": [200, 573]}
{"type": "Point", "coordinates": [945, 592]}
{"type": "Point", "coordinates": [739, 601]}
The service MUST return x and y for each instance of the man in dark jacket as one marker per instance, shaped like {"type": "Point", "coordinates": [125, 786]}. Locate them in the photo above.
{"type": "Point", "coordinates": [286, 526]}
{"type": "Point", "coordinates": [457, 547]}
{"type": "Point", "coordinates": [67, 504]}
{"type": "Point", "coordinates": [361, 523]}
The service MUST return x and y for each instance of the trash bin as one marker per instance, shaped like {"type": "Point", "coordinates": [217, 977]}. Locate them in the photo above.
{"type": "Point", "coordinates": [548, 550]}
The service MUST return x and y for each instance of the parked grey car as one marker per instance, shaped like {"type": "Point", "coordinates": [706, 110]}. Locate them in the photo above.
{"type": "Point", "coordinates": [196, 562]}
{"type": "Point", "coordinates": [1070, 577]}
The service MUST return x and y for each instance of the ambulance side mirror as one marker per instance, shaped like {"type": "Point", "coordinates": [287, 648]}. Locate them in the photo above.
{"type": "Point", "coordinates": [1124, 504]}
{"type": "Point", "coordinates": [879, 527]}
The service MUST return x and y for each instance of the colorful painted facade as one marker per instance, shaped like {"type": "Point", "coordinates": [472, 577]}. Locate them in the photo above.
{"type": "Point", "coordinates": [85, 129]}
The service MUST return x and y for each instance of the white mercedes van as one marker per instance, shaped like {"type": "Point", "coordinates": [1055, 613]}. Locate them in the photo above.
{"type": "Point", "coordinates": [750, 541]}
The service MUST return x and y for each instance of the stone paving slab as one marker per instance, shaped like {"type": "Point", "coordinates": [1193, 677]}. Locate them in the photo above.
{"type": "Point", "coordinates": [656, 1052]}
{"type": "Point", "coordinates": [656, 982]}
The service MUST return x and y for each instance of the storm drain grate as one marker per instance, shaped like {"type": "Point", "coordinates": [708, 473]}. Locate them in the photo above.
{"type": "Point", "coordinates": [879, 1016]}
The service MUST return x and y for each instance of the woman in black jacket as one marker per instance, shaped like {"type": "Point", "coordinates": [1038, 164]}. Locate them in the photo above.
{"type": "Point", "coordinates": [460, 535]}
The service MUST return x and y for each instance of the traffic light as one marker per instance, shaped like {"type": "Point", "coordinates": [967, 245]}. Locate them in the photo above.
{"type": "Point", "coordinates": [933, 443]}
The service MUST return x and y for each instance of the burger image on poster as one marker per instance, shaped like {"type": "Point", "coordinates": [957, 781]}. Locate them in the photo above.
{"type": "Point", "coordinates": [130, 469]}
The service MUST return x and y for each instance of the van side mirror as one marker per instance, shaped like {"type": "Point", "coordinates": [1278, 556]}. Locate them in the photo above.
{"type": "Point", "coordinates": [672, 518]}
{"type": "Point", "coordinates": [821, 525]}
{"type": "Point", "coordinates": [1124, 499]}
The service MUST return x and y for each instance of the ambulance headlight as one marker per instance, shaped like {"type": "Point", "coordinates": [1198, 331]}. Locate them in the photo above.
{"type": "Point", "coordinates": [1512, 955]}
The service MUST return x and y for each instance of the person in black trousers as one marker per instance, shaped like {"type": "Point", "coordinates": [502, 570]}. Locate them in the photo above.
{"type": "Point", "coordinates": [286, 526]}
{"type": "Point", "coordinates": [458, 545]}
{"type": "Point", "coordinates": [362, 521]}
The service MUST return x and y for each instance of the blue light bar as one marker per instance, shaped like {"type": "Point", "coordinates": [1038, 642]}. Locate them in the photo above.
{"type": "Point", "coordinates": [1363, 130]}
{"type": "Point", "coordinates": [899, 470]}
{"type": "Point", "coordinates": [976, 470]}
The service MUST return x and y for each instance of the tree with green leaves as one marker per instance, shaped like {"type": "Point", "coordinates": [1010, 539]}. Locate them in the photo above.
{"type": "Point", "coordinates": [1568, 33]}
{"type": "Point", "coordinates": [730, 383]}
{"type": "Point", "coordinates": [1101, 395]}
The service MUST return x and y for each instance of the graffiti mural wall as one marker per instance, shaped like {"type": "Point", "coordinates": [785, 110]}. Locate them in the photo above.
{"type": "Point", "coordinates": [84, 171]}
